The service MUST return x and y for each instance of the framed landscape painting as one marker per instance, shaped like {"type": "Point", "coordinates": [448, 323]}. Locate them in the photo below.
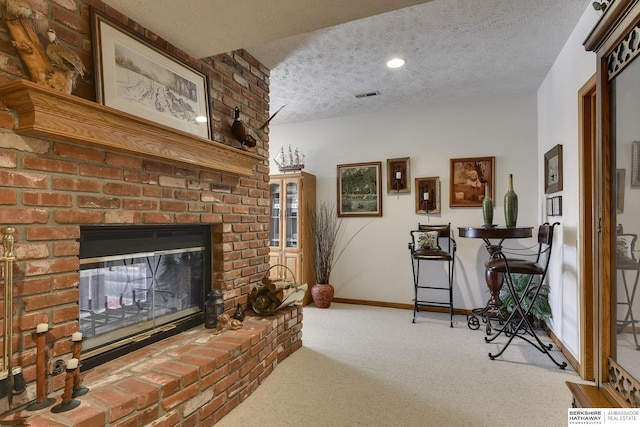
{"type": "Point", "coordinates": [359, 189]}
{"type": "Point", "coordinates": [137, 77]}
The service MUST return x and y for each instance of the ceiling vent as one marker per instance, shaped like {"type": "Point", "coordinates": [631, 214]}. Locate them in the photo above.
{"type": "Point", "coordinates": [368, 94]}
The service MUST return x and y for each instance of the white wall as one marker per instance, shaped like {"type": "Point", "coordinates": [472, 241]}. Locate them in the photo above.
{"type": "Point", "coordinates": [558, 124]}
{"type": "Point", "coordinates": [376, 266]}
{"type": "Point", "coordinates": [518, 132]}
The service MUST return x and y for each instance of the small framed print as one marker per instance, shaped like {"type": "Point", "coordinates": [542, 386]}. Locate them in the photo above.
{"type": "Point", "coordinates": [427, 195]}
{"type": "Point", "coordinates": [553, 170]}
{"type": "Point", "coordinates": [398, 175]}
{"type": "Point", "coordinates": [635, 164]}
{"type": "Point", "coordinates": [550, 206]}
{"type": "Point", "coordinates": [620, 175]}
{"type": "Point", "coordinates": [557, 206]}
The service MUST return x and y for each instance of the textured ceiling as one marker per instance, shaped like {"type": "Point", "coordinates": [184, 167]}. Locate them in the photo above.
{"type": "Point", "coordinates": [455, 49]}
{"type": "Point", "coordinates": [208, 27]}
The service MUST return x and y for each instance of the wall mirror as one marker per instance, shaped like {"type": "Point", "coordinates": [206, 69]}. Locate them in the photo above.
{"type": "Point", "coordinates": [625, 129]}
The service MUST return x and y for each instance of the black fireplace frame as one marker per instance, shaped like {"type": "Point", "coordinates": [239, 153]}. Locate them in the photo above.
{"type": "Point", "coordinates": [131, 239]}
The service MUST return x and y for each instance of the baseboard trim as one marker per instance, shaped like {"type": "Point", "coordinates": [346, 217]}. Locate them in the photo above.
{"type": "Point", "coordinates": [403, 306]}
{"type": "Point", "coordinates": [572, 360]}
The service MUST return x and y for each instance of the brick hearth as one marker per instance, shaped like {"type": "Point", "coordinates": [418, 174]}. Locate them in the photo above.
{"type": "Point", "coordinates": [54, 181]}
{"type": "Point", "coordinates": [194, 378]}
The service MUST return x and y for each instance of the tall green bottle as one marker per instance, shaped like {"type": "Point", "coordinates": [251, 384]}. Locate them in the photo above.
{"type": "Point", "coordinates": [510, 205]}
{"type": "Point", "coordinates": [487, 206]}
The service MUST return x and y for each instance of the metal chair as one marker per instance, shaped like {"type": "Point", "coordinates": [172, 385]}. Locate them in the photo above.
{"type": "Point", "coordinates": [535, 265]}
{"type": "Point", "coordinates": [432, 243]}
{"type": "Point", "coordinates": [626, 262]}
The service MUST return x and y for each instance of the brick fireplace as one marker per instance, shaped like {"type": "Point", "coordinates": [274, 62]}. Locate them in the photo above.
{"type": "Point", "coordinates": [67, 162]}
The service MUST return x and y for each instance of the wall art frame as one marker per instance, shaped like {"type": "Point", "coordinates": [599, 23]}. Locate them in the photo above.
{"type": "Point", "coordinates": [620, 181]}
{"type": "Point", "coordinates": [359, 189]}
{"type": "Point", "coordinates": [398, 175]}
{"type": "Point", "coordinates": [553, 170]}
{"type": "Point", "coordinates": [467, 180]}
{"type": "Point", "coordinates": [427, 195]}
{"type": "Point", "coordinates": [136, 76]}
{"type": "Point", "coordinates": [635, 164]}
{"type": "Point", "coordinates": [549, 201]}
{"type": "Point", "coordinates": [557, 206]}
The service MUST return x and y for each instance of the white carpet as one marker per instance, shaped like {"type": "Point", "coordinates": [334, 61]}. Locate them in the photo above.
{"type": "Point", "coordinates": [371, 366]}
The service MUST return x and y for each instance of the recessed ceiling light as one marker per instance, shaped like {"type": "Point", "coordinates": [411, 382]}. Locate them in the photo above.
{"type": "Point", "coordinates": [201, 119]}
{"type": "Point", "coordinates": [395, 63]}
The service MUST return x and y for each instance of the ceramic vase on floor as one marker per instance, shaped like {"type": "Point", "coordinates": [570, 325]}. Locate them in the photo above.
{"type": "Point", "coordinates": [487, 206]}
{"type": "Point", "coordinates": [322, 295]}
{"type": "Point", "coordinates": [510, 205]}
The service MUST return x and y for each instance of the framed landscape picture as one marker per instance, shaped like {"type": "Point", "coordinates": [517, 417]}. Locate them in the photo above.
{"type": "Point", "coordinates": [359, 189]}
{"type": "Point", "coordinates": [468, 178]}
{"type": "Point", "coordinates": [137, 77]}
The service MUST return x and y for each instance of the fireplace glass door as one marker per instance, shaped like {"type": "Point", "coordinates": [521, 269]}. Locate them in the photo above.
{"type": "Point", "coordinates": [135, 283]}
{"type": "Point", "coordinates": [138, 291]}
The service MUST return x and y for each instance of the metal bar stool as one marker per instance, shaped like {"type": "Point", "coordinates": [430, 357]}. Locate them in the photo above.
{"type": "Point", "coordinates": [432, 243]}
{"type": "Point", "coordinates": [536, 266]}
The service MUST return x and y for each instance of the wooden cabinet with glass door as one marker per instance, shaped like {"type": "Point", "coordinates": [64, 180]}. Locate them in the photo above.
{"type": "Point", "coordinates": [292, 198]}
{"type": "Point", "coordinates": [615, 230]}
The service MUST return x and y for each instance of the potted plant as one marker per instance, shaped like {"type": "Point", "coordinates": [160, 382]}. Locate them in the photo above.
{"type": "Point", "coordinates": [327, 233]}
{"type": "Point", "coordinates": [540, 310]}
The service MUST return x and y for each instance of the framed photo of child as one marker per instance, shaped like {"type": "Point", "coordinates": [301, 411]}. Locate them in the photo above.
{"type": "Point", "coordinates": [468, 179]}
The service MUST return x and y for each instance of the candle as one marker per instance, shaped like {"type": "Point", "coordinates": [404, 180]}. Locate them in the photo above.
{"type": "Point", "coordinates": [398, 175]}
{"type": "Point", "coordinates": [425, 196]}
{"type": "Point", "coordinates": [72, 364]}
{"type": "Point", "coordinates": [41, 328]}
{"type": "Point", "coordinates": [76, 336]}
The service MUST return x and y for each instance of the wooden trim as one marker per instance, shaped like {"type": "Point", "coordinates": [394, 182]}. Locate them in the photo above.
{"type": "Point", "coordinates": [587, 148]}
{"type": "Point", "coordinates": [588, 396]}
{"type": "Point", "coordinates": [606, 241]}
{"type": "Point", "coordinates": [404, 306]}
{"type": "Point", "coordinates": [373, 303]}
{"type": "Point", "coordinates": [572, 360]}
{"type": "Point", "coordinates": [606, 25]}
{"type": "Point", "coordinates": [47, 113]}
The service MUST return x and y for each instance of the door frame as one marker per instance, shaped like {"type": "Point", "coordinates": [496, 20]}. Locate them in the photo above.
{"type": "Point", "coordinates": [588, 229]}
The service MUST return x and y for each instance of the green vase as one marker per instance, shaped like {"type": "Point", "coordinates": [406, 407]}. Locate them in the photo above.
{"type": "Point", "coordinates": [510, 205]}
{"type": "Point", "coordinates": [487, 206]}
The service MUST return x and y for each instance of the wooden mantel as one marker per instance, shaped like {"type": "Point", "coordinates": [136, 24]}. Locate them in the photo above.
{"type": "Point", "coordinates": [47, 113]}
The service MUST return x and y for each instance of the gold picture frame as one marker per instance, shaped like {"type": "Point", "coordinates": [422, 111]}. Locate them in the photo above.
{"type": "Point", "coordinates": [360, 189]}
{"type": "Point", "coordinates": [398, 175]}
{"type": "Point", "coordinates": [427, 195]}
